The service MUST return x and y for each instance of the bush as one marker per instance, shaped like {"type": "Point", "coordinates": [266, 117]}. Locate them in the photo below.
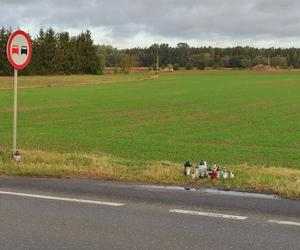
{"type": "Point", "coordinates": [176, 66]}
{"type": "Point", "coordinates": [189, 66]}
{"type": "Point", "coordinates": [216, 66]}
{"type": "Point", "coordinates": [201, 65]}
{"type": "Point", "coordinates": [235, 62]}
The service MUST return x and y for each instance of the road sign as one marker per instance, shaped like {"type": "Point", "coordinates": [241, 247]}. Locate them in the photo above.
{"type": "Point", "coordinates": [19, 49]}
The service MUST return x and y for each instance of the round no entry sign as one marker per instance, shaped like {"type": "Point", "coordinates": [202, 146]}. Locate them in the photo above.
{"type": "Point", "coordinates": [19, 49]}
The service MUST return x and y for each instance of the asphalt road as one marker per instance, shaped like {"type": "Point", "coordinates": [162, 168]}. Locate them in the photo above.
{"type": "Point", "coordinates": [78, 214]}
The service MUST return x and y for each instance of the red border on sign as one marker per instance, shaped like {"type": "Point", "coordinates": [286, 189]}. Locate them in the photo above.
{"type": "Point", "coordinates": [17, 66]}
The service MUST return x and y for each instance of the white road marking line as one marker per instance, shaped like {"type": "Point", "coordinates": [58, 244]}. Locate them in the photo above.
{"type": "Point", "coordinates": [282, 222]}
{"type": "Point", "coordinates": [63, 199]}
{"type": "Point", "coordinates": [224, 216]}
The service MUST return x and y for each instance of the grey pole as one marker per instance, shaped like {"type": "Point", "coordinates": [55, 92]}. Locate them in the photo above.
{"type": "Point", "coordinates": [157, 62]}
{"type": "Point", "coordinates": [15, 111]}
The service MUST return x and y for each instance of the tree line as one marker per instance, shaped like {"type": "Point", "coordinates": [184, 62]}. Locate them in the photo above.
{"type": "Point", "coordinates": [60, 53]}
{"type": "Point", "coordinates": [56, 53]}
{"type": "Point", "coordinates": [188, 57]}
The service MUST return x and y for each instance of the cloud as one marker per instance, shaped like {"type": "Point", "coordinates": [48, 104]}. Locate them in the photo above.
{"type": "Point", "coordinates": [137, 22]}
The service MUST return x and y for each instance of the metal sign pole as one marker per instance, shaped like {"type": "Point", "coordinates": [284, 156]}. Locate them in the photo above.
{"type": "Point", "coordinates": [19, 50]}
{"type": "Point", "coordinates": [15, 111]}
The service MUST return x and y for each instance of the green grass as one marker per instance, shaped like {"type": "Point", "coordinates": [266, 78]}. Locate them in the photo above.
{"type": "Point", "coordinates": [227, 117]}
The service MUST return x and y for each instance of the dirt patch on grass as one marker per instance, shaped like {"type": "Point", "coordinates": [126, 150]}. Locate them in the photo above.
{"type": "Point", "coordinates": [288, 83]}
{"type": "Point", "coordinates": [69, 80]}
{"type": "Point", "coordinates": [173, 117]}
{"type": "Point", "coordinates": [262, 67]}
{"type": "Point", "coordinates": [134, 113]}
{"type": "Point", "coordinates": [30, 108]}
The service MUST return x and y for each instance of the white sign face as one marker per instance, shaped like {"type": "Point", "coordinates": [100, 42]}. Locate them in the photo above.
{"type": "Point", "coordinates": [19, 49]}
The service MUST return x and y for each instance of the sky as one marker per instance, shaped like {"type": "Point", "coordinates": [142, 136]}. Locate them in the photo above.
{"type": "Point", "coordinates": [140, 23]}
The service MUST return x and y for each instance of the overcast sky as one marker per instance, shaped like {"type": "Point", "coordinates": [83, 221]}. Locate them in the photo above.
{"type": "Point", "coordinates": [131, 23]}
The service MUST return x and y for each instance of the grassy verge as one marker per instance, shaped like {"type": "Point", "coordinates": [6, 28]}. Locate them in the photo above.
{"type": "Point", "coordinates": [281, 181]}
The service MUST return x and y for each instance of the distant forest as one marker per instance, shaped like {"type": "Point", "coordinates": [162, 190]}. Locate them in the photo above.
{"type": "Point", "coordinates": [60, 53]}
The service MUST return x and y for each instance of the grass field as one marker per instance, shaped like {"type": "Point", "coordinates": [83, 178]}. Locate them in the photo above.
{"type": "Point", "coordinates": [232, 118]}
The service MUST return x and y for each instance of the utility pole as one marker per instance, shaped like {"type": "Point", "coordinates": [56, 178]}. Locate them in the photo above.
{"type": "Point", "coordinates": [157, 62]}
